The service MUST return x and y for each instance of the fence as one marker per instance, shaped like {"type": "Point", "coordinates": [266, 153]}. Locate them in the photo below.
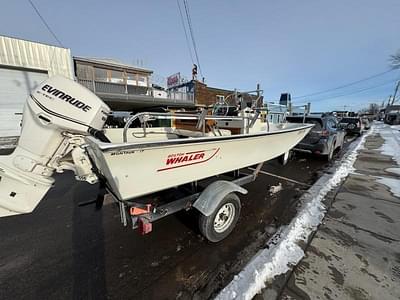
{"type": "Point", "coordinates": [125, 89]}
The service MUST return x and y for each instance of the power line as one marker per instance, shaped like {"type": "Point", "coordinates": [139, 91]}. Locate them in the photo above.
{"type": "Point", "coordinates": [191, 34]}
{"type": "Point", "coordinates": [343, 86]}
{"type": "Point", "coordinates": [45, 24]}
{"type": "Point", "coordinates": [355, 92]}
{"type": "Point", "coordinates": [184, 29]}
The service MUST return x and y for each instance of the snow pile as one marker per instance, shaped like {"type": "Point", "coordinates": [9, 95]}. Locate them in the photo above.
{"type": "Point", "coordinates": [391, 147]}
{"type": "Point", "coordinates": [275, 189]}
{"type": "Point", "coordinates": [393, 170]}
{"type": "Point", "coordinates": [392, 142]}
{"type": "Point", "coordinates": [286, 252]}
{"type": "Point", "coordinates": [392, 184]}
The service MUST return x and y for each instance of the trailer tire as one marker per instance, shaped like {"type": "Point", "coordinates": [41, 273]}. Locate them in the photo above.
{"type": "Point", "coordinates": [222, 221]}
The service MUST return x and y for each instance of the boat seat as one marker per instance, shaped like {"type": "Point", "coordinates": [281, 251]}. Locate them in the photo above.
{"type": "Point", "coordinates": [197, 134]}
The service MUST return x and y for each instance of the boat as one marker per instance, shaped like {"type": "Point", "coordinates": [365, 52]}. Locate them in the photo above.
{"type": "Point", "coordinates": [63, 129]}
{"type": "Point", "coordinates": [165, 157]}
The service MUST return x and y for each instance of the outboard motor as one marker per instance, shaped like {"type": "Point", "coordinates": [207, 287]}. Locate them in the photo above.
{"type": "Point", "coordinates": [57, 116]}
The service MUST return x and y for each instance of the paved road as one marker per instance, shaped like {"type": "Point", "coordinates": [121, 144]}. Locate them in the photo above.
{"type": "Point", "coordinates": [64, 251]}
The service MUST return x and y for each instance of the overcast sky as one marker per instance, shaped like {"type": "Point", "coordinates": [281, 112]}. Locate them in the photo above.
{"type": "Point", "coordinates": [300, 47]}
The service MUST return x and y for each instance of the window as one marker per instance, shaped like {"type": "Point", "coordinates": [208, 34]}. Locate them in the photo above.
{"type": "Point", "coordinates": [116, 76]}
{"type": "Point", "coordinates": [220, 99]}
{"type": "Point", "coordinates": [100, 74]}
{"type": "Point", "coordinates": [331, 124]}
{"type": "Point", "coordinates": [142, 80]}
{"type": "Point", "coordinates": [84, 72]}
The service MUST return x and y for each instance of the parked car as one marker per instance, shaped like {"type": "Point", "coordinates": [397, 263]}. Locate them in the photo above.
{"type": "Point", "coordinates": [324, 138]}
{"type": "Point", "coordinates": [352, 125]}
{"type": "Point", "coordinates": [366, 122]}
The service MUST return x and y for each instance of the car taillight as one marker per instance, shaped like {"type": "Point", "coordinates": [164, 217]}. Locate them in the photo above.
{"type": "Point", "coordinates": [325, 133]}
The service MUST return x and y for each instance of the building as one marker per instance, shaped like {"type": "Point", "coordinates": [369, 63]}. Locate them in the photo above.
{"type": "Point", "coordinates": [129, 88]}
{"type": "Point", "coordinates": [23, 65]}
{"type": "Point", "coordinates": [205, 96]}
{"type": "Point", "coordinates": [392, 115]}
{"type": "Point", "coordinates": [126, 87]}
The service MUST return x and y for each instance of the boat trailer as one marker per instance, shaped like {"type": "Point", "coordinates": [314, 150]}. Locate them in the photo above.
{"type": "Point", "coordinates": [218, 204]}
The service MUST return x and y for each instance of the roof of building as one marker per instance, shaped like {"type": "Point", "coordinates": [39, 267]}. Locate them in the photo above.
{"type": "Point", "coordinates": [31, 41]}
{"type": "Point", "coordinates": [393, 107]}
{"type": "Point", "coordinates": [110, 62]}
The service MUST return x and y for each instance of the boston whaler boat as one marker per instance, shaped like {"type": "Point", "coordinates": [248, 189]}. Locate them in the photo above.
{"type": "Point", "coordinates": [62, 129]}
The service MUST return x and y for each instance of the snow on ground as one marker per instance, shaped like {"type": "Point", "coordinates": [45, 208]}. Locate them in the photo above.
{"type": "Point", "coordinates": [395, 127]}
{"type": "Point", "coordinates": [392, 184]}
{"type": "Point", "coordinates": [391, 147]}
{"type": "Point", "coordinates": [393, 170]}
{"type": "Point", "coordinates": [285, 251]}
{"type": "Point", "coordinates": [275, 189]}
{"type": "Point", "coordinates": [391, 135]}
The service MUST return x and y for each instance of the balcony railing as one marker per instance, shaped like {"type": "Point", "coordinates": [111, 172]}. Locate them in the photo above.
{"type": "Point", "coordinates": [100, 87]}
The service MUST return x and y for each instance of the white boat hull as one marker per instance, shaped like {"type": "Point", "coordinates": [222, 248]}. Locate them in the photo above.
{"type": "Point", "coordinates": [133, 170]}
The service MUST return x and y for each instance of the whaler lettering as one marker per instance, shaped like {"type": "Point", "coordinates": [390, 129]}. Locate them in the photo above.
{"type": "Point", "coordinates": [67, 98]}
{"type": "Point", "coordinates": [184, 158]}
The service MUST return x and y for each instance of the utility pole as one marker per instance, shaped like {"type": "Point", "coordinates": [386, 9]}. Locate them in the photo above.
{"type": "Point", "coordinates": [388, 103]}
{"type": "Point", "coordinates": [395, 91]}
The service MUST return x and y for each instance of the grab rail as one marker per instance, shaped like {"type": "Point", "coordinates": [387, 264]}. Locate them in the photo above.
{"type": "Point", "coordinates": [144, 117]}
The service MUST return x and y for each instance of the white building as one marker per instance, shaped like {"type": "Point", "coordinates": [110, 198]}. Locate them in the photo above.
{"type": "Point", "coordinates": [23, 65]}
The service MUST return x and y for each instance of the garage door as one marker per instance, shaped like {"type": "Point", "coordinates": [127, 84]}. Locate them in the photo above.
{"type": "Point", "coordinates": [15, 86]}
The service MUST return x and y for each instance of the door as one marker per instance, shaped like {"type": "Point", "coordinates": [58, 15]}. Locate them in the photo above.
{"type": "Point", "coordinates": [15, 86]}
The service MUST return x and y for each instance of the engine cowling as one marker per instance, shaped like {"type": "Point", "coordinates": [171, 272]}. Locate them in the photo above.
{"type": "Point", "coordinates": [55, 112]}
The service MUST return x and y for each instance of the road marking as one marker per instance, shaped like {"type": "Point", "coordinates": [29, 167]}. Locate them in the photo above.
{"type": "Point", "coordinates": [281, 177]}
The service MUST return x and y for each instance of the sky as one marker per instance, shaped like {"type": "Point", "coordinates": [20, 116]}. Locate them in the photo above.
{"type": "Point", "coordinates": [301, 47]}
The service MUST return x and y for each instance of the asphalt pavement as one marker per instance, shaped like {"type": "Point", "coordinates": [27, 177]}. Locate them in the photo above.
{"type": "Point", "coordinates": [63, 251]}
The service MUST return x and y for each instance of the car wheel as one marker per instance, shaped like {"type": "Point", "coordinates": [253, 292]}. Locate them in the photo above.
{"type": "Point", "coordinates": [351, 126]}
{"type": "Point", "coordinates": [221, 222]}
{"type": "Point", "coordinates": [329, 156]}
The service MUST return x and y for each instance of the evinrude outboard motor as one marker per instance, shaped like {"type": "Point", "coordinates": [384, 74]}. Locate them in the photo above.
{"type": "Point", "coordinates": [57, 116]}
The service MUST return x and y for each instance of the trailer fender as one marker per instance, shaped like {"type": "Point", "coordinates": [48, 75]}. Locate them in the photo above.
{"type": "Point", "coordinates": [210, 198]}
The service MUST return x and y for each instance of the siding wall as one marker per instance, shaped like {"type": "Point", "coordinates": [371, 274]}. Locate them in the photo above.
{"type": "Point", "coordinates": [205, 95]}
{"type": "Point", "coordinates": [26, 54]}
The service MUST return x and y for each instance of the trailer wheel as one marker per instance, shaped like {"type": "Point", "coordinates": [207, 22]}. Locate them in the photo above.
{"type": "Point", "coordinates": [221, 222]}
